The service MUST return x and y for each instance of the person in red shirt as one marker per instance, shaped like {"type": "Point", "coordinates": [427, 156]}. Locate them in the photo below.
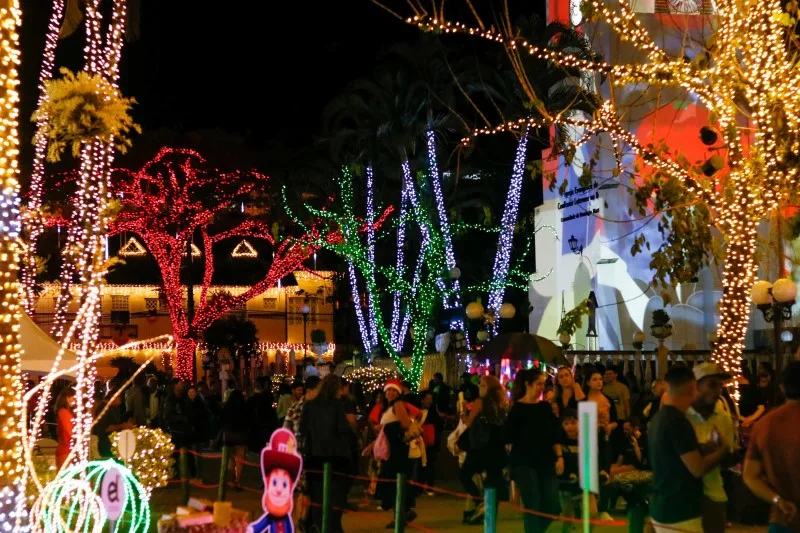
{"type": "Point", "coordinates": [65, 420]}
{"type": "Point", "coordinates": [772, 465]}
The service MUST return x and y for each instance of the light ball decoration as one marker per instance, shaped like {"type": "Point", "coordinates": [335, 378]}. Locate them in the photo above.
{"type": "Point", "coordinates": [482, 335]}
{"type": "Point", "coordinates": [784, 291]}
{"type": "Point", "coordinates": [474, 310]}
{"type": "Point", "coordinates": [305, 309]}
{"type": "Point", "coordinates": [760, 293]}
{"type": "Point", "coordinates": [152, 461]}
{"type": "Point", "coordinates": [455, 273]}
{"type": "Point", "coordinates": [787, 336]}
{"type": "Point", "coordinates": [71, 502]}
{"type": "Point", "coordinates": [507, 311]}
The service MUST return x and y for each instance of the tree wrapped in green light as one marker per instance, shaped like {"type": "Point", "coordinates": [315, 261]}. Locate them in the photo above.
{"type": "Point", "coordinates": [424, 294]}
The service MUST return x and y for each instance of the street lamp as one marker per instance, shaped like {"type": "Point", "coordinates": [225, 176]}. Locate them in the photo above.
{"type": "Point", "coordinates": [305, 310]}
{"type": "Point", "coordinates": [775, 303]}
{"type": "Point", "coordinates": [573, 245]}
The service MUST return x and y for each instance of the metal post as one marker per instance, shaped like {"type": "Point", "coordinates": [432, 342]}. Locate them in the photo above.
{"type": "Point", "coordinates": [636, 515]}
{"type": "Point", "coordinates": [326, 497]}
{"type": "Point", "coordinates": [223, 475]}
{"type": "Point", "coordinates": [400, 505]}
{"type": "Point", "coordinates": [490, 510]}
{"type": "Point", "coordinates": [183, 472]}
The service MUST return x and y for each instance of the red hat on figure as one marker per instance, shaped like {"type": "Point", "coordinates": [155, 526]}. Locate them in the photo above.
{"type": "Point", "coordinates": [395, 384]}
{"type": "Point", "coordinates": [282, 453]}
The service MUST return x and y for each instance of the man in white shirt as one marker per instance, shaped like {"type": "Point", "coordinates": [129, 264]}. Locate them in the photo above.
{"type": "Point", "coordinates": [713, 427]}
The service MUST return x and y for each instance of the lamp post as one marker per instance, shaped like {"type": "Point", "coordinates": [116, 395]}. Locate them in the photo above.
{"type": "Point", "coordinates": [775, 302]}
{"type": "Point", "coordinates": [305, 310]}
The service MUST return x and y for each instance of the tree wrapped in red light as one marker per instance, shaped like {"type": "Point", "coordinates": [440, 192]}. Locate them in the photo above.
{"type": "Point", "coordinates": [176, 198]}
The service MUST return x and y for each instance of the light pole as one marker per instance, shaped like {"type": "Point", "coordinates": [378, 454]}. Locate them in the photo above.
{"type": "Point", "coordinates": [775, 302]}
{"type": "Point", "coordinates": [305, 310]}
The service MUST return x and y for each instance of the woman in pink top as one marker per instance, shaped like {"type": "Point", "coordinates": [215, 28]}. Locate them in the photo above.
{"type": "Point", "coordinates": [65, 419]}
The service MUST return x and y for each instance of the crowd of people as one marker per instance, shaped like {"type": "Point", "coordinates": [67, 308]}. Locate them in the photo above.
{"type": "Point", "coordinates": [684, 439]}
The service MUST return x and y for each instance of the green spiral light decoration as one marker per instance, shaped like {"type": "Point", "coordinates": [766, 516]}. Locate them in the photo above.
{"type": "Point", "coordinates": [71, 503]}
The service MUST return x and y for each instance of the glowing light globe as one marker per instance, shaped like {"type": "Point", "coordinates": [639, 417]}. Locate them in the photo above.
{"type": "Point", "coordinates": [784, 291]}
{"type": "Point", "coordinates": [759, 294]}
{"type": "Point", "coordinates": [507, 311]}
{"type": "Point", "coordinates": [482, 335]}
{"type": "Point", "coordinates": [455, 273]}
{"type": "Point", "coordinates": [786, 336]}
{"type": "Point", "coordinates": [474, 310]}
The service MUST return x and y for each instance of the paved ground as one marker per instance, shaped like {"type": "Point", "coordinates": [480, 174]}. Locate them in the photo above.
{"type": "Point", "coordinates": [440, 513]}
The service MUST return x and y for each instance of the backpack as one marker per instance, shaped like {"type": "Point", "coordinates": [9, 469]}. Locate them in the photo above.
{"type": "Point", "coordinates": [381, 448]}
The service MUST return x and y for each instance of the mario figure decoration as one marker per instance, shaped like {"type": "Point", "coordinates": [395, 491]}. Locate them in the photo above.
{"type": "Point", "coordinates": [280, 467]}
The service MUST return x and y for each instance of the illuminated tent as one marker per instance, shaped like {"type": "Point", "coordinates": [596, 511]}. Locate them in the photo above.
{"type": "Point", "coordinates": [40, 349]}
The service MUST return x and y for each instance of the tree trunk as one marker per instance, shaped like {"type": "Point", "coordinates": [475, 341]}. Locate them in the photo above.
{"type": "Point", "coordinates": [11, 466]}
{"type": "Point", "coordinates": [734, 308]}
{"type": "Point", "coordinates": [184, 361]}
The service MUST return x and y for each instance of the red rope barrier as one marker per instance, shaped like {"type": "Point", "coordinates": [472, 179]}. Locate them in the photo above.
{"type": "Point", "coordinates": [241, 460]}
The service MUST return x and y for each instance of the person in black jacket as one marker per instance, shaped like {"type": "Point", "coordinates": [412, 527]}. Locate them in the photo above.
{"type": "Point", "coordinates": [200, 422]}
{"type": "Point", "coordinates": [235, 426]}
{"type": "Point", "coordinates": [326, 439]}
{"type": "Point", "coordinates": [263, 418]}
{"type": "Point", "coordinates": [536, 457]}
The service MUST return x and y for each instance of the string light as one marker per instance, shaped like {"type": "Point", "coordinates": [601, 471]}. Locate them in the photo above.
{"type": "Point", "coordinates": [750, 39]}
{"type": "Point", "coordinates": [366, 342]}
{"type": "Point", "coordinates": [72, 502]}
{"type": "Point", "coordinates": [132, 248]}
{"type": "Point", "coordinates": [423, 295]}
{"type": "Point", "coordinates": [372, 378]}
{"type": "Point", "coordinates": [508, 222]}
{"type": "Point", "coordinates": [400, 257]}
{"type": "Point", "coordinates": [373, 329]}
{"type": "Point", "coordinates": [12, 487]}
{"type": "Point", "coordinates": [444, 223]}
{"type": "Point", "coordinates": [151, 462]}
{"type": "Point", "coordinates": [83, 257]}
{"type": "Point", "coordinates": [163, 209]}
{"type": "Point", "coordinates": [244, 249]}
{"type": "Point", "coordinates": [33, 223]}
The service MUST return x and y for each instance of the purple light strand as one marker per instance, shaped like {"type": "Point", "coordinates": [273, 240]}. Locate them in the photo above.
{"type": "Point", "coordinates": [509, 219]}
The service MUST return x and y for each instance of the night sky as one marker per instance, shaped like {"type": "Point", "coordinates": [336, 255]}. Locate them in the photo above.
{"type": "Point", "coordinates": [263, 70]}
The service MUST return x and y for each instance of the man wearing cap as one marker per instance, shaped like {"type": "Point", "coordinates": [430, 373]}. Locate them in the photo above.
{"type": "Point", "coordinates": [713, 427]}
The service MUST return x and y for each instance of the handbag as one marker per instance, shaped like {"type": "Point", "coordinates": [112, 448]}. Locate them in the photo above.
{"type": "Point", "coordinates": [381, 449]}
{"type": "Point", "coordinates": [429, 435]}
{"type": "Point", "coordinates": [413, 431]}
{"type": "Point", "coordinates": [453, 438]}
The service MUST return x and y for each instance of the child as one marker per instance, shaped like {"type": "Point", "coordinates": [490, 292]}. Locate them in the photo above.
{"type": "Point", "coordinates": [569, 489]}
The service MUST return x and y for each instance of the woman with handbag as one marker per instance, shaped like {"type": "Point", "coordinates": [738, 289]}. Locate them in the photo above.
{"type": "Point", "coordinates": [486, 451]}
{"type": "Point", "coordinates": [396, 422]}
